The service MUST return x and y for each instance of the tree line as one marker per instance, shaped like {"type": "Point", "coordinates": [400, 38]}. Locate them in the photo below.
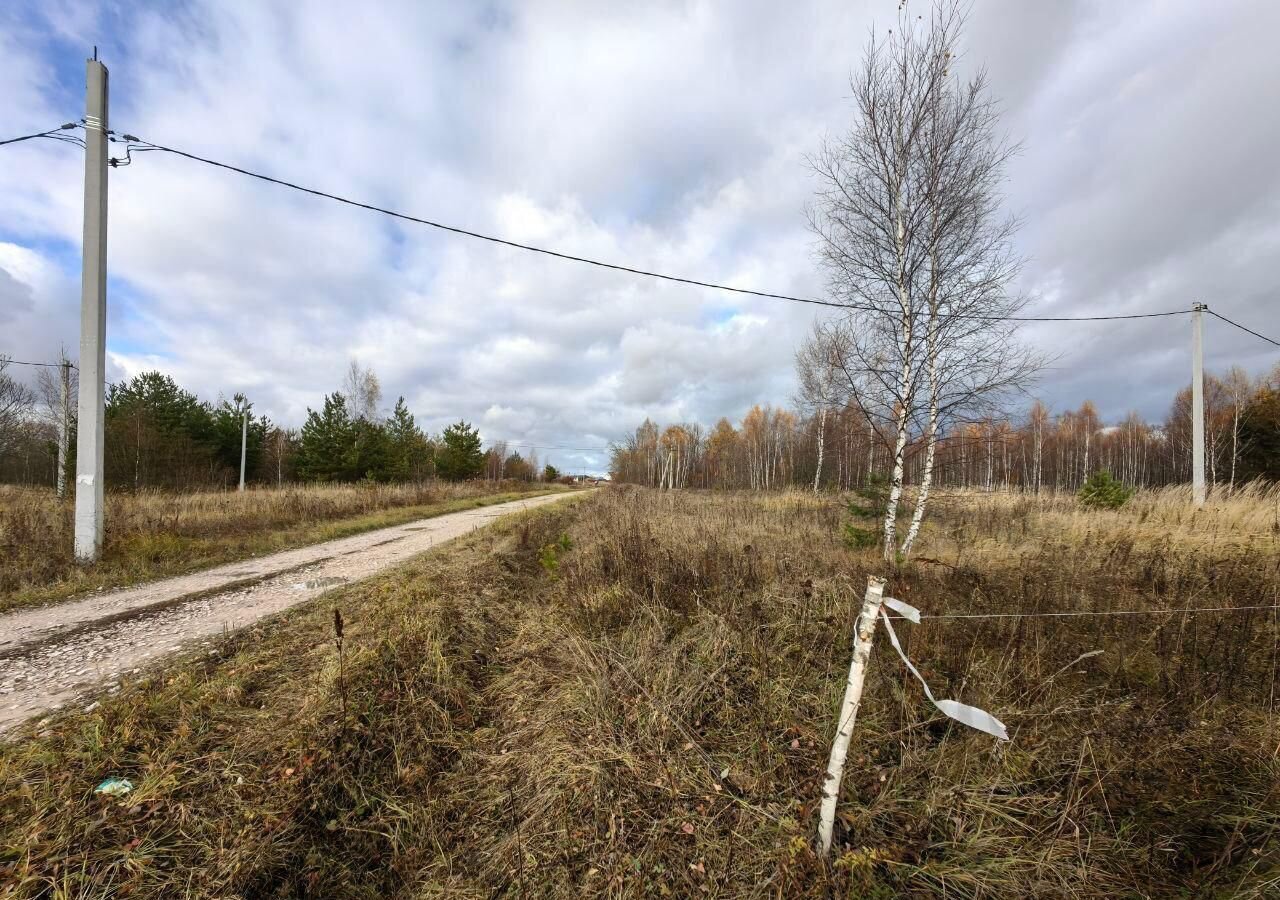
{"type": "Point", "coordinates": [841, 448]}
{"type": "Point", "coordinates": [161, 435]}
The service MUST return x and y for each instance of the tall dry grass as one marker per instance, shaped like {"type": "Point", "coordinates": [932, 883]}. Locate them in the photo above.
{"type": "Point", "coordinates": [154, 533]}
{"type": "Point", "coordinates": [633, 696]}
{"type": "Point", "coordinates": [1246, 518]}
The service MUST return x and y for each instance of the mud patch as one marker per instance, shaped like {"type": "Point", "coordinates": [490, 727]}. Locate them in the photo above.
{"type": "Point", "coordinates": [322, 582]}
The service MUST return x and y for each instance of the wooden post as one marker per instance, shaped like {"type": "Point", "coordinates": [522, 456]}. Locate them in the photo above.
{"type": "Point", "coordinates": [865, 630]}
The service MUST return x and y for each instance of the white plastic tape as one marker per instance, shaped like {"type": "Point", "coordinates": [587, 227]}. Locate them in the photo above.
{"type": "Point", "coordinates": [961, 712]}
{"type": "Point", "coordinates": [906, 610]}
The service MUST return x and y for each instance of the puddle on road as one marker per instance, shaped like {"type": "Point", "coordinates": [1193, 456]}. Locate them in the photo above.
{"type": "Point", "coordinates": [324, 581]}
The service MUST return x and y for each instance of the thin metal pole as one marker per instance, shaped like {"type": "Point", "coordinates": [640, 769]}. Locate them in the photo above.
{"type": "Point", "coordinates": [244, 440]}
{"type": "Point", "coordinates": [93, 320]}
{"type": "Point", "coordinates": [1197, 404]}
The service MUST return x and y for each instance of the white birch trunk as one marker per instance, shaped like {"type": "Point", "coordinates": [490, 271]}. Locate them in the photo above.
{"type": "Point", "coordinates": [1037, 457]}
{"type": "Point", "coordinates": [871, 449]}
{"type": "Point", "coordinates": [822, 432]}
{"type": "Point", "coordinates": [895, 488]}
{"type": "Point", "coordinates": [1088, 436]}
{"type": "Point", "coordinates": [905, 398]}
{"type": "Point", "coordinates": [1235, 443]}
{"type": "Point", "coordinates": [864, 630]}
{"type": "Point", "coordinates": [991, 461]}
{"type": "Point", "coordinates": [926, 478]}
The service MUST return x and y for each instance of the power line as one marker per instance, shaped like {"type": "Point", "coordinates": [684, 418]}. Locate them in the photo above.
{"type": "Point", "coordinates": [478, 235]}
{"type": "Point", "coordinates": [1242, 328]}
{"type": "Point", "coordinates": [607, 265]}
{"type": "Point", "coordinates": [135, 143]}
{"type": "Point", "coordinates": [4, 360]}
{"type": "Point", "coordinates": [51, 133]}
{"type": "Point", "coordinates": [1113, 612]}
{"type": "Point", "coordinates": [493, 441]}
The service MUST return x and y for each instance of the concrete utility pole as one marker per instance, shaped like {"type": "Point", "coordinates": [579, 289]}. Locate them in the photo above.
{"type": "Point", "coordinates": [64, 427]}
{"type": "Point", "coordinates": [244, 438]}
{"type": "Point", "coordinates": [1197, 403]}
{"type": "Point", "coordinates": [93, 319]}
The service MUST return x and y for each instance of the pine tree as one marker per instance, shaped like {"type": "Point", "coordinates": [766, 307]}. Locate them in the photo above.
{"type": "Point", "coordinates": [410, 451]}
{"type": "Point", "coordinates": [460, 456]}
{"type": "Point", "coordinates": [225, 434]}
{"type": "Point", "coordinates": [157, 434]}
{"type": "Point", "coordinates": [1101, 491]}
{"type": "Point", "coordinates": [370, 456]}
{"type": "Point", "coordinates": [327, 442]}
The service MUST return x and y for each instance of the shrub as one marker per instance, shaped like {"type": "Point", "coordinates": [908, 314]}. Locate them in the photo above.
{"type": "Point", "coordinates": [1102, 491]}
{"type": "Point", "coordinates": [874, 496]}
{"type": "Point", "coordinates": [857, 538]}
{"type": "Point", "coordinates": [549, 558]}
{"type": "Point", "coordinates": [866, 510]}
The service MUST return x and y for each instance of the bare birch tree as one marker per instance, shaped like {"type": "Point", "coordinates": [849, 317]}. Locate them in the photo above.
{"type": "Point", "coordinates": [58, 388]}
{"type": "Point", "coordinates": [972, 357]}
{"type": "Point", "coordinates": [818, 371]}
{"type": "Point", "coordinates": [1239, 388]}
{"type": "Point", "coordinates": [363, 392]}
{"type": "Point", "coordinates": [907, 225]}
{"type": "Point", "coordinates": [17, 401]}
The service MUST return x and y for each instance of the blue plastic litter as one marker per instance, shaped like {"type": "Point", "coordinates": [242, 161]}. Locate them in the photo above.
{"type": "Point", "coordinates": [115, 787]}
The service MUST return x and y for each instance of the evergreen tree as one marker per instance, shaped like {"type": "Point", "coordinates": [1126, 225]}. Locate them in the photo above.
{"type": "Point", "coordinates": [225, 434]}
{"type": "Point", "coordinates": [158, 434]}
{"type": "Point", "coordinates": [1101, 491]}
{"type": "Point", "coordinates": [550, 473]}
{"type": "Point", "coordinates": [1260, 433]}
{"type": "Point", "coordinates": [459, 456]}
{"type": "Point", "coordinates": [168, 408]}
{"type": "Point", "coordinates": [370, 454]}
{"type": "Point", "coordinates": [409, 449]}
{"type": "Point", "coordinates": [326, 451]}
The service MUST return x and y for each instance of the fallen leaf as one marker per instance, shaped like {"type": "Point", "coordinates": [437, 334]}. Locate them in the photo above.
{"type": "Point", "coordinates": [687, 828]}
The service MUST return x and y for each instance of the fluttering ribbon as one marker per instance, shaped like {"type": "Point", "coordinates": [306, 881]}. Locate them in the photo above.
{"type": "Point", "coordinates": [963, 713]}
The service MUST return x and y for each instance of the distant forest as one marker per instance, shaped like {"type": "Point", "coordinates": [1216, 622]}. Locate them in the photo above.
{"type": "Point", "coordinates": [844, 448]}
{"type": "Point", "coordinates": [160, 435]}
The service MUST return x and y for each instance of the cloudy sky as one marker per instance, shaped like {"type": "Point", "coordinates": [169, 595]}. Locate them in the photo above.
{"type": "Point", "coordinates": [669, 136]}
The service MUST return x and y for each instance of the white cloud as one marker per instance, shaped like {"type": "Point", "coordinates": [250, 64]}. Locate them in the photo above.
{"type": "Point", "coordinates": [669, 136]}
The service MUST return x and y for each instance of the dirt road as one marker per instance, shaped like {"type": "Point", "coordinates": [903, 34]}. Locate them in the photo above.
{"type": "Point", "coordinates": [53, 655]}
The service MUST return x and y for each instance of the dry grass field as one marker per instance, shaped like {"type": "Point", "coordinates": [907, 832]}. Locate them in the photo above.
{"type": "Point", "coordinates": [631, 694]}
{"type": "Point", "coordinates": [152, 534]}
